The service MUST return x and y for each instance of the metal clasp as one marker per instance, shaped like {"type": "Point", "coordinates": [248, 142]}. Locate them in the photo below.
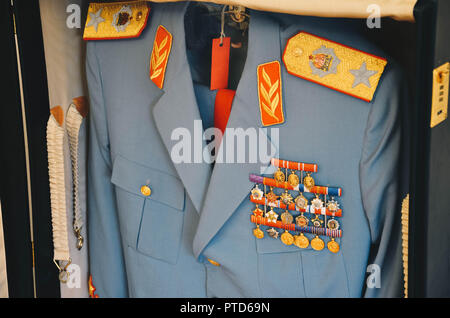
{"type": "Point", "coordinates": [63, 273]}
{"type": "Point", "coordinates": [79, 238]}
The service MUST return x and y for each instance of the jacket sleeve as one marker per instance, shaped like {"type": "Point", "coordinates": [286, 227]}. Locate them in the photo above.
{"type": "Point", "coordinates": [105, 248]}
{"type": "Point", "coordinates": [380, 180]}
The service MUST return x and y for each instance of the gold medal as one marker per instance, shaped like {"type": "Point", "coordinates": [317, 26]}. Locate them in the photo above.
{"type": "Point", "coordinates": [308, 181]}
{"type": "Point", "coordinates": [317, 243]}
{"type": "Point", "coordinates": [293, 179]}
{"type": "Point", "coordinates": [287, 238]}
{"type": "Point", "coordinates": [279, 176]}
{"type": "Point", "coordinates": [258, 233]}
{"type": "Point", "coordinates": [301, 241]}
{"type": "Point", "coordinates": [333, 246]}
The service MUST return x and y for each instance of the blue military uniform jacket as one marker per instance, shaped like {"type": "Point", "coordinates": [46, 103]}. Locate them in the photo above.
{"type": "Point", "coordinates": [158, 245]}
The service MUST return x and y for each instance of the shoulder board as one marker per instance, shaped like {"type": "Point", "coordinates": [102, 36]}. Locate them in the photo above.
{"type": "Point", "coordinates": [337, 66]}
{"type": "Point", "coordinates": [117, 20]}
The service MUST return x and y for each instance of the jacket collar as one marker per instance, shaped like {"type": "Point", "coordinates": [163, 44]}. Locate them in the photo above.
{"type": "Point", "coordinates": [177, 108]}
{"type": "Point", "coordinates": [229, 184]}
{"type": "Point", "coordinates": [217, 193]}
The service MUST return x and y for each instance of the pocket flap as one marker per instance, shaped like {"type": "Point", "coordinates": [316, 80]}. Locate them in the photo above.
{"type": "Point", "coordinates": [131, 176]}
{"type": "Point", "coordinates": [268, 245]}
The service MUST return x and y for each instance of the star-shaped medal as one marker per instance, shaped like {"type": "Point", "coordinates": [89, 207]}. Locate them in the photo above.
{"type": "Point", "coordinates": [257, 193]}
{"type": "Point", "coordinates": [362, 75]}
{"type": "Point", "coordinates": [96, 19]}
{"type": "Point", "coordinates": [332, 206]}
{"type": "Point", "coordinates": [317, 203]}
{"type": "Point", "coordinates": [258, 212]}
{"type": "Point", "coordinates": [286, 198]}
{"type": "Point", "coordinates": [271, 197]}
{"type": "Point", "coordinates": [272, 216]}
{"type": "Point", "coordinates": [273, 233]}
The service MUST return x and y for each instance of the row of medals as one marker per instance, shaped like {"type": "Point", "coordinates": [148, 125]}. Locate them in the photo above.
{"type": "Point", "coordinates": [301, 202]}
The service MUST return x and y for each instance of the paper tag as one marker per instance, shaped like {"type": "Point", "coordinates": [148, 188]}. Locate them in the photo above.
{"type": "Point", "coordinates": [220, 60]}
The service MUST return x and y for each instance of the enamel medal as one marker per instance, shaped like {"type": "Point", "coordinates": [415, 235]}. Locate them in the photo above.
{"type": "Point", "coordinates": [258, 212]}
{"type": "Point", "coordinates": [317, 222]}
{"type": "Point", "coordinates": [333, 224]}
{"type": "Point", "coordinates": [332, 205]}
{"type": "Point", "coordinates": [286, 198]}
{"type": "Point", "coordinates": [301, 220]}
{"type": "Point", "coordinates": [301, 202]}
{"type": "Point", "coordinates": [271, 196]}
{"type": "Point", "coordinates": [287, 218]}
{"type": "Point", "coordinates": [257, 193]}
{"type": "Point", "coordinates": [317, 203]}
{"type": "Point", "coordinates": [272, 216]}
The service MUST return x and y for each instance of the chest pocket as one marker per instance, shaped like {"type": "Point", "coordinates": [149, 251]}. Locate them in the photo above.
{"type": "Point", "coordinates": [318, 273]}
{"type": "Point", "coordinates": [150, 223]}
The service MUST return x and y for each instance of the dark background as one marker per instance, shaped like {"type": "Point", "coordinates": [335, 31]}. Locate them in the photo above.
{"type": "Point", "coordinates": [419, 47]}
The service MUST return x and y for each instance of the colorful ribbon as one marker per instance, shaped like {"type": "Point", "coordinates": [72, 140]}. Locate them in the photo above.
{"type": "Point", "coordinates": [332, 191]}
{"type": "Point", "coordinates": [293, 227]}
{"type": "Point", "coordinates": [309, 167]}
{"type": "Point", "coordinates": [293, 207]}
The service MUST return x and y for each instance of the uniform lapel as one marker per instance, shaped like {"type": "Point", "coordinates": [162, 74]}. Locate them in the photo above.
{"type": "Point", "coordinates": [229, 184]}
{"type": "Point", "coordinates": [177, 107]}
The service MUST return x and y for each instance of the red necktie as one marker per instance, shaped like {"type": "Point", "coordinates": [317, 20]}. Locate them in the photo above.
{"type": "Point", "coordinates": [222, 108]}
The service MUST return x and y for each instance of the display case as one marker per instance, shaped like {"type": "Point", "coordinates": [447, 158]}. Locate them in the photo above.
{"type": "Point", "coordinates": [420, 47]}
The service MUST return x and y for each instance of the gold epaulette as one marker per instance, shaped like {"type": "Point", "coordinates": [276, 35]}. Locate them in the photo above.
{"type": "Point", "coordinates": [116, 20]}
{"type": "Point", "coordinates": [334, 65]}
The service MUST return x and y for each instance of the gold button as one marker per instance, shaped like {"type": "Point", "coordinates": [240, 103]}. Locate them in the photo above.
{"type": "Point", "coordinates": [213, 262]}
{"type": "Point", "coordinates": [146, 191]}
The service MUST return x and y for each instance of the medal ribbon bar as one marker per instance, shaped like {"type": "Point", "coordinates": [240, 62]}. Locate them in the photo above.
{"type": "Point", "coordinates": [301, 166]}
{"type": "Point", "coordinates": [293, 207]}
{"type": "Point", "coordinates": [292, 227]}
{"type": "Point", "coordinates": [332, 191]}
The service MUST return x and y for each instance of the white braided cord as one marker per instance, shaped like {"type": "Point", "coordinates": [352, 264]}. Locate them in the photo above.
{"type": "Point", "coordinates": [55, 149]}
{"type": "Point", "coordinates": [73, 123]}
